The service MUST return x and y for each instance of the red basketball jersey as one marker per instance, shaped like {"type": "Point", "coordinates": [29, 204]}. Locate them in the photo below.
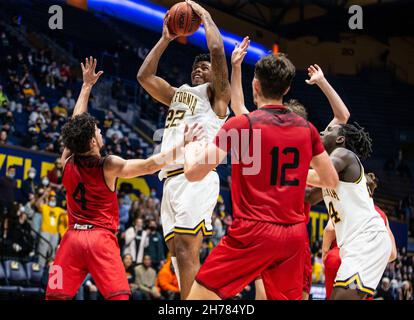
{"type": "Point", "coordinates": [89, 199]}
{"type": "Point", "coordinates": [271, 187]}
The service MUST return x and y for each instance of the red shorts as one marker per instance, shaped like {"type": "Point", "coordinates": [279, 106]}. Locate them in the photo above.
{"type": "Point", "coordinates": [332, 264]}
{"type": "Point", "coordinates": [254, 248]}
{"type": "Point", "coordinates": [307, 270]}
{"type": "Point", "coordinates": [94, 251]}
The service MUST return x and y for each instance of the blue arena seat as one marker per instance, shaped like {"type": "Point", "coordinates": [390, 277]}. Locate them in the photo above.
{"type": "Point", "coordinates": [15, 273]}
{"type": "Point", "coordinates": [4, 287]}
{"type": "Point", "coordinates": [34, 274]}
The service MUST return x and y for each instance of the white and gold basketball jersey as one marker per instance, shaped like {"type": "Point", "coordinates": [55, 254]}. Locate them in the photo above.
{"type": "Point", "coordinates": [188, 105]}
{"type": "Point", "coordinates": [351, 208]}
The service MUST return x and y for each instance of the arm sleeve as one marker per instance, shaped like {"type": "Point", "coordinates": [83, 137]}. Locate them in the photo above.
{"type": "Point", "coordinates": [317, 146]}
{"type": "Point", "coordinates": [233, 126]}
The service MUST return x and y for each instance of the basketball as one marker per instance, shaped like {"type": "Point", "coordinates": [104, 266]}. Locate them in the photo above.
{"type": "Point", "coordinates": [183, 20]}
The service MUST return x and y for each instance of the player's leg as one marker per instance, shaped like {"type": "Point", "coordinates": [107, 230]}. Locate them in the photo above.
{"type": "Point", "coordinates": [68, 270]}
{"type": "Point", "coordinates": [199, 292]}
{"type": "Point", "coordinates": [236, 261]}
{"type": "Point", "coordinates": [260, 289]}
{"type": "Point", "coordinates": [192, 222]}
{"type": "Point", "coordinates": [307, 271]}
{"type": "Point", "coordinates": [167, 222]}
{"type": "Point", "coordinates": [187, 250]}
{"type": "Point", "coordinates": [339, 293]}
{"type": "Point", "coordinates": [283, 280]}
{"type": "Point", "coordinates": [105, 265]}
{"type": "Point", "coordinates": [331, 266]}
{"type": "Point", "coordinates": [363, 261]}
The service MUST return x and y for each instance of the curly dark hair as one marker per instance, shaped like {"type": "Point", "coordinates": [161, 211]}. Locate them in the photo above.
{"type": "Point", "coordinates": [298, 108]}
{"type": "Point", "coordinates": [78, 132]}
{"type": "Point", "coordinates": [201, 57]}
{"type": "Point", "coordinates": [357, 139]}
{"type": "Point", "coordinates": [275, 74]}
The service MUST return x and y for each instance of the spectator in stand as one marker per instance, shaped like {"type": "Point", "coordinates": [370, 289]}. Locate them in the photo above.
{"type": "Point", "coordinates": [8, 188]}
{"type": "Point", "coordinates": [167, 282]}
{"type": "Point", "coordinates": [3, 98]}
{"type": "Point", "coordinates": [54, 176]}
{"type": "Point", "coordinates": [4, 138]}
{"type": "Point", "coordinates": [218, 228]}
{"type": "Point", "coordinates": [145, 280]}
{"type": "Point", "coordinates": [384, 291]}
{"type": "Point", "coordinates": [115, 130]}
{"type": "Point", "coordinates": [129, 270]}
{"type": "Point", "coordinates": [20, 236]}
{"type": "Point", "coordinates": [46, 205]}
{"type": "Point", "coordinates": [67, 101]}
{"type": "Point", "coordinates": [8, 123]}
{"type": "Point", "coordinates": [52, 75]}
{"type": "Point", "coordinates": [406, 290]}
{"type": "Point", "coordinates": [64, 75]}
{"type": "Point", "coordinates": [60, 111]}
{"type": "Point", "coordinates": [43, 105]}
{"type": "Point", "coordinates": [34, 217]}
{"type": "Point", "coordinates": [136, 239]}
{"type": "Point", "coordinates": [155, 247]}
{"type": "Point", "coordinates": [124, 208]}
{"type": "Point", "coordinates": [29, 186]}
{"type": "Point", "coordinates": [109, 119]}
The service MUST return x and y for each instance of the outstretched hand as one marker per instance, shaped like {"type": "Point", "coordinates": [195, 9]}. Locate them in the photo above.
{"type": "Point", "coordinates": [88, 71]}
{"type": "Point", "coordinates": [192, 133]}
{"type": "Point", "coordinates": [239, 52]}
{"type": "Point", "coordinates": [199, 10]}
{"type": "Point", "coordinates": [166, 33]}
{"type": "Point", "coordinates": [315, 74]}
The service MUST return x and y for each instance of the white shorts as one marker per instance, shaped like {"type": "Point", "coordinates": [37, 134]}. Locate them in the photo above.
{"type": "Point", "coordinates": [363, 261]}
{"type": "Point", "coordinates": [187, 207]}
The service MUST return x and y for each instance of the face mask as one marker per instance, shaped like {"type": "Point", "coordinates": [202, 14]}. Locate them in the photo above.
{"type": "Point", "coordinates": [222, 208]}
{"type": "Point", "coordinates": [153, 194]}
{"type": "Point", "coordinates": [45, 181]}
{"type": "Point", "coordinates": [12, 175]}
{"type": "Point", "coordinates": [116, 127]}
{"type": "Point", "coordinates": [32, 175]}
{"type": "Point", "coordinates": [52, 203]}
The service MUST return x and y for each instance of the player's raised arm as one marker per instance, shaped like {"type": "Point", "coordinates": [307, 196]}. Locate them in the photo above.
{"type": "Point", "coordinates": [118, 167]}
{"type": "Point", "coordinates": [157, 87]}
{"type": "Point", "coordinates": [90, 77]}
{"type": "Point", "coordinates": [200, 159]}
{"type": "Point", "coordinates": [341, 112]}
{"type": "Point", "coordinates": [89, 80]}
{"type": "Point", "coordinates": [220, 81]}
{"type": "Point", "coordinates": [237, 96]}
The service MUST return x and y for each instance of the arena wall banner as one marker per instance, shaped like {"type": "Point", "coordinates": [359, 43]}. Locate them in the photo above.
{"type": "Point", "coordinates": [23, 159]}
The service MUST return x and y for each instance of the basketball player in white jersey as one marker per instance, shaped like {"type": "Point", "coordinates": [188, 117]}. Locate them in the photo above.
{"type": "Point", "coordinates": [362, 237]}
{"type": "Point", "coordinates": [186, 208]}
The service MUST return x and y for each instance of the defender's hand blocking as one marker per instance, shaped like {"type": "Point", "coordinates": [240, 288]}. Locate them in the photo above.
{"type": "Point", "coordinates": [192, 133]}
{"type": "Point", "coordinates": [239, 52]}
{"type": "Point", "coordinates": [315, 74]}
{"type": "Point", "coordinates": [88, 71]}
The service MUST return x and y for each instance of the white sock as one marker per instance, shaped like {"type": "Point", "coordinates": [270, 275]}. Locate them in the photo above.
{"type": "Point", "coordinates": [177, 272]}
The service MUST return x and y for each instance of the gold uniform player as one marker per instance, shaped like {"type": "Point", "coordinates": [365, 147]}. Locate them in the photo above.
{"type": "Point", "coordinates": [187, 207]}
